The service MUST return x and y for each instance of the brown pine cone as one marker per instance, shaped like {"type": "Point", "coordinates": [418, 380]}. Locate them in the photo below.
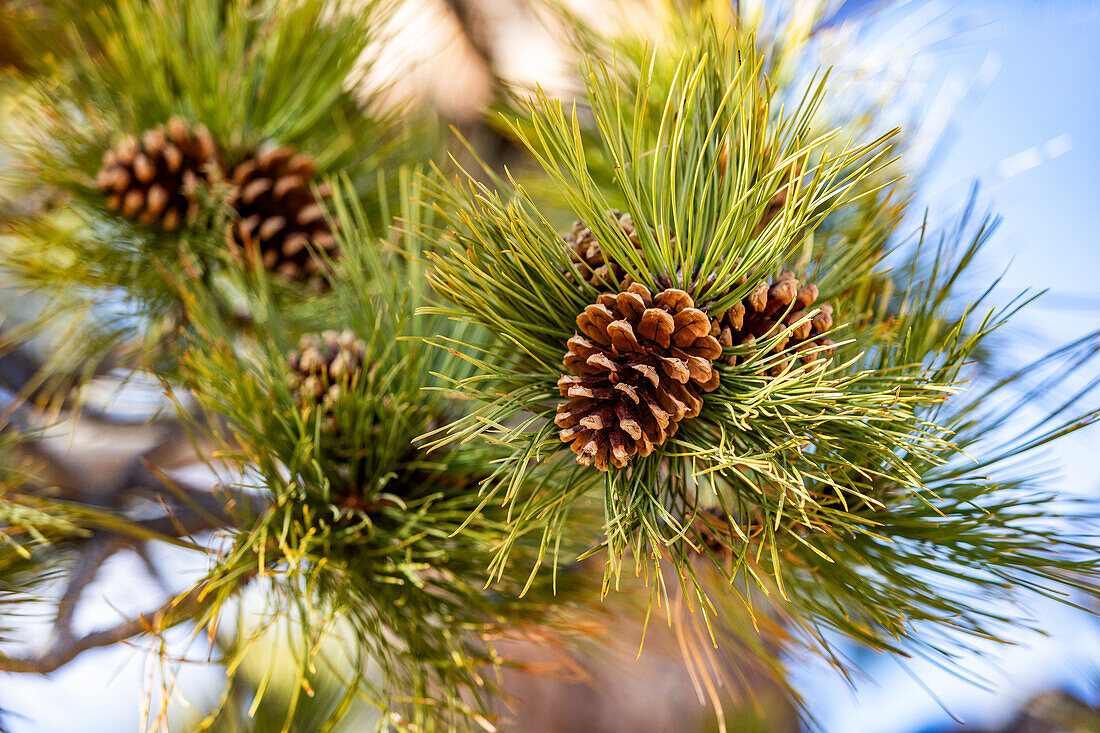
{"type": "Point", "coordinates": [768, 310]}
{"type": "Point", "coordinates": [792, 182]}
{"type": "Point", "coordinates": [322, 367]}
{"type": "Point", "coordinates": [588, 256]}
{"type": "Point", "coordinates": [637, 370]}
{"type": "Point", "coordinates": [711, 528]}
{"type": "Point", "coordinates": [152, 180]}
{"type": "Point", "coordinates": [278, 214]}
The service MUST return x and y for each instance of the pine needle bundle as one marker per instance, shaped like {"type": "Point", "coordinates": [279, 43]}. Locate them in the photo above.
{"type": "Point", "coordinates": [362, 532]}
{"type": "Point", "coordinates": [832, 404]}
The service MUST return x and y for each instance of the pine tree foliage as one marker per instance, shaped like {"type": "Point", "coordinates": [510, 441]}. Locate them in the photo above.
{"type": "Point", "coordinates": [698, 347]}
{"type": "Point", "coordinates": [832, 480]}
{"type": "Point", "coordinates": [250, 76]}
{"type": "Point", "coordinates": [671, 176]}
{"type": "Point", "coordinates": [261, 693]}
{"type": "Point", "coordinates": [361, 529]}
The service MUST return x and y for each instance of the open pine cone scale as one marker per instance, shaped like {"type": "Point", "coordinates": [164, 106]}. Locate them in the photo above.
{"type": "Point", "coordinates": [777, 310]}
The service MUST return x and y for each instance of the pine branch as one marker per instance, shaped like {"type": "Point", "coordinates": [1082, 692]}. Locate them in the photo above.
{"type": "Point", "coordinates": [94, 554]}
{"type": "Point", "coordinates": [477, 31]}
{"type": "Point", "coordinates": [360, 528]}
{"type": "Point", "coordinates": [65, 648]}
{"type": "Point", "coordinates": [98, 530]}
{"type": "Point", "coordinates": [832, 491]}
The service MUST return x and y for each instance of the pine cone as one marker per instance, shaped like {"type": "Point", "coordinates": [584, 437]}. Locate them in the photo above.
{"type": "Point", "coordinates": [711, 529]}
{"type": "Point", "coordinates": [768, 310]}
{"type": "Point", "coordinates": [792, 177]}
{"type": "Point", "coordinates": [587, 254]}
{"type": "Point", "coordinates": [792, 182]}
{"type": "Point", "coordinates": [152, 179]}
{"type": "Point", "coordinates": [322, 368]}
{"type": "Point", "coordinates": [277, 212]}
{"type": "Point", "coordinates": [638, 370]}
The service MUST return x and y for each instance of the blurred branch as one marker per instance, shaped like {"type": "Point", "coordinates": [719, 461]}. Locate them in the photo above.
{"type": "Point", "coordinates": [25, 380]}
{"type": "Point", "coordinates": [99, 549]}
{"type": "Point", "coordinates": [474, 26]}
{"type": "Point", "coordinates": [64, 649]}
{"type": "Point", "coordinates": [187, 509]}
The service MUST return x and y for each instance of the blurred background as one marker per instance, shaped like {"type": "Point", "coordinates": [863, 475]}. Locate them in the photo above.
{"type": "Point", "coordinates": [1001, 95]}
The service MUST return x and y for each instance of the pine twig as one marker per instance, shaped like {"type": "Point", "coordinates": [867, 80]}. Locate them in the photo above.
{"type": "Point", "coordinates": [63, 650]}
{"type": "Point", "coordinates": [99, 549]}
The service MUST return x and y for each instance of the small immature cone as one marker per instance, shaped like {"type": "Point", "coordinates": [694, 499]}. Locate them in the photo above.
{"type": "Point", "coordinates": [712, 529]}
{"type": "Point", "coordinates": [770, 309]}
{"type": "Point", "coordinates": [278, 216]}
{"type": "Point", "coordinates": [587, 254]}
{"type": "Point", "coordinates": [153, 179]}
{"type": "Point", "coordinates": [636, 368]}
{"type": "Point", "coordinates": [792, 181]}
{"type": "Point", "coordinates": [322, 368]}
